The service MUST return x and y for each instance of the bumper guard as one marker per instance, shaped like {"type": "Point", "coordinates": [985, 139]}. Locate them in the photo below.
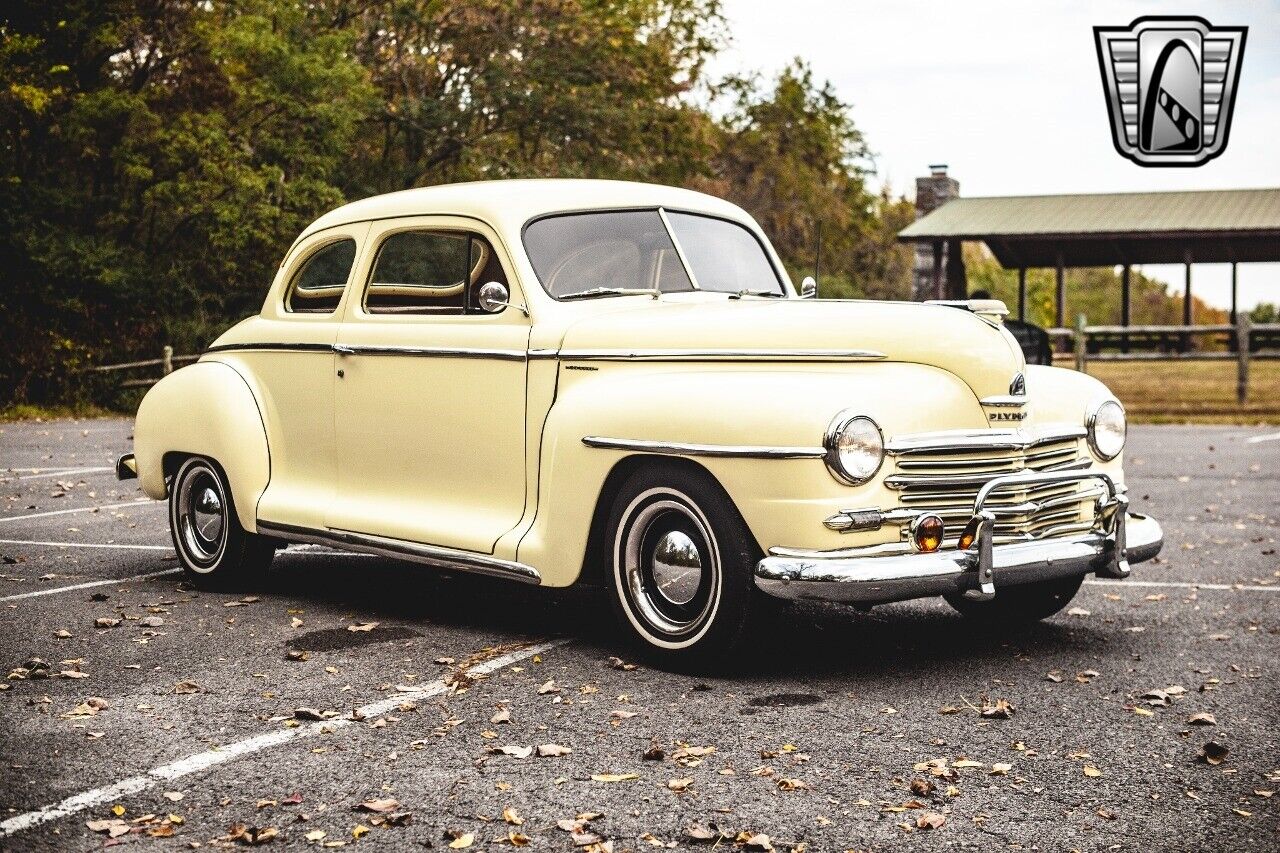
{"type": "Point", "coordinates": [1117, 539]}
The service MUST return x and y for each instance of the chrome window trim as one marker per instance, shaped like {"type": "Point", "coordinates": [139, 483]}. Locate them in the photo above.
{"type": "Point", "coordinates": [671, 448]}
{"type": "Point", "coordinates": [431, 555]}
{"type": "Point", "coordinates": [720, 355]}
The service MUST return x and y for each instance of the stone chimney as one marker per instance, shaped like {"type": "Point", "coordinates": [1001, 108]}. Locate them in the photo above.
{"type": "Point", "coordinates": [931, 193]}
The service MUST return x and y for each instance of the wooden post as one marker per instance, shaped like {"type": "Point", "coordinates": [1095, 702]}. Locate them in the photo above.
{"type": "Point", "coordinates": [1126, 306]}
{"type": "Point", "coordinates": [1234, 294]}
{"type": "Point", "coordinates": [1022, 294]}
{"type": "Point", "coordinates": [1060, 299]}
{"type": "Point", "coordinates": [166, 357]}
{"type": "Point", "coordinates": [937, 269]}
{"type": "Point", "coordinates": [1242, 357]}
{"type": "Point", "coordinates": [1079, 339]}
{"type": "Point", "coordinates": [1186, 303]}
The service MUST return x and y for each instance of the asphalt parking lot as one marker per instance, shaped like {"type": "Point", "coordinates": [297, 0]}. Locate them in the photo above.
{"type": "Point", "coordinates": [350, 700]}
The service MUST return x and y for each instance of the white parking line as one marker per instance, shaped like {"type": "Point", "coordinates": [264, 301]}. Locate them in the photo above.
{"type": "Point", "coordinates": [87, 585]}
{"type": "Point", "coordinates": [204, 760]}
{"type": "Point", "coordinates": [67, 472]}
{"type": "Point", "coordinates": [1258, 439]}
{"type": "Point", "coordinates": [1183, 585]}
{"type": "Point", "coordinates": [137, 502]}
{"type": "Point", "coordinates": [105, 545]}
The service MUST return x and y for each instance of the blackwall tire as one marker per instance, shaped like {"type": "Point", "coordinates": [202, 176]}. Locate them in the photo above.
{"type": "Point", "coordinates": [681, 567]}
{"type": "Point", "coordinates": [214, 550]}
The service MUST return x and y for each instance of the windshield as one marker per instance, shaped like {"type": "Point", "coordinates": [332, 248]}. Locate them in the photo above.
{"type": "Point", "coordinates": [619, 252]}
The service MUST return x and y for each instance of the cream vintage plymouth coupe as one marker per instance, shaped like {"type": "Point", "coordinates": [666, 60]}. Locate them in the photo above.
{"type": "Point", "coordinates": [563, 382]}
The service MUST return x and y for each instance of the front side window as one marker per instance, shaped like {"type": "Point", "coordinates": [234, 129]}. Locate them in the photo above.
{"type": "Point", "coordinates": [612, 252]}
{"type": "Point", "coordinates": [430, 272]}
{"type": "Point", "coordinates": [317, 287]}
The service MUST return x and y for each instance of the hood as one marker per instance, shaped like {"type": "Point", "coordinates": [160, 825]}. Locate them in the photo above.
{"type": "Point", "coordinates": [983, 356]}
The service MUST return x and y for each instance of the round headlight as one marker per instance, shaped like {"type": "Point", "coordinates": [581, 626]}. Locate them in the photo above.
{"type": "Point", "coordinates": [1106, 425]}
{"type": "Point", "coordinates": [855, 448]}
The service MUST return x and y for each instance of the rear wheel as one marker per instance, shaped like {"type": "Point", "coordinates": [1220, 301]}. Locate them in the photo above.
{"type": "Point", "coordinates": [214, 550]}
{"type": "Point", "coordinates": [1022, 603]}
{"type": "Point", "coordinates": [682, 568]}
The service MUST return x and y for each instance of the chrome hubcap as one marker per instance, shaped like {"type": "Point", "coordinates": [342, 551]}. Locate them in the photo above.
{"type": "Point", "coordinates": [202, 520]}
{"type": "Point", "coordinates": [669, 568]}
{"type": "Point", "coordinates": [677, 568]}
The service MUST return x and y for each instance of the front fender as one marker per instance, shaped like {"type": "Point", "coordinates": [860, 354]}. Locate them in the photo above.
{"type": "Point", "coordinates": [783, 501]}
{"type": "Point", "coordinates": [206, 409]}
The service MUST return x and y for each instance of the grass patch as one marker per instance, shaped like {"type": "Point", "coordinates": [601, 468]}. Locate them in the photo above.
{"type": "Point", "coordinates": [1202, 392]}
{"type": "Point", "coordinates": [30, 412]}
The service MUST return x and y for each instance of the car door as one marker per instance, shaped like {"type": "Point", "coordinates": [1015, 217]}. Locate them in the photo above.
{"type": "Point", "coordinates": [430, 399]}
{"type": "Point", "coordinates": [291, 363]}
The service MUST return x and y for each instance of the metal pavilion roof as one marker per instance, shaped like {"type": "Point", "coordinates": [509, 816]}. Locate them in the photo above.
{"type": "Point", "coordinates": [1106, 229]}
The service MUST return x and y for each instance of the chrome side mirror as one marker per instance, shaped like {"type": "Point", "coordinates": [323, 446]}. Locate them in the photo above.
{"type": "Point", "coordinates": [809, 288]}
{"type": "Point", "coordinates": [493, 297]}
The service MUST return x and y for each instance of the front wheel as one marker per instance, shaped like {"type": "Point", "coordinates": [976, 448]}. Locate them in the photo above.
{"type": "Point", "coordinates": [682, 568]}
{"type": "Point", "coordinates": [214, 550]}
{"type": "Point", "coordinates": [1022, 603]}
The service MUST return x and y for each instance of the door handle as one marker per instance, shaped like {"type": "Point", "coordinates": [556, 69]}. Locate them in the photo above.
{"type": "Point", "coordinates": [343, 349]}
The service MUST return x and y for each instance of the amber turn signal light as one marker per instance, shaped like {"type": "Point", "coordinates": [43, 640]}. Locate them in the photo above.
{"type": "Point", "coordinates": [967, 536]}
{"type": "Point", "coordinates": [927, 533]}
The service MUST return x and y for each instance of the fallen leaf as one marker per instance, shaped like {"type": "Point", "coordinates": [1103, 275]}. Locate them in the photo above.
{"type": "Point", "coordinates": [1078, 611]}
{"type": "Point", "coordinates": [173, 796]}
{"type": "Point", "coordinates": [619, 663]}
{"type": "Point", "coordinates": [462, 842]}
{"type": "Point", "coordinates": [510, 816]}
{"type": "Point", "coordinates": [186, 687]}
{"type": "Point", "coordinates": [654, 753]}
{"type": "Point", "coordinates": [315, 835]}
{"type": "Point", "coordinates": [1001, 709]}
{"type": "Point", "coordinates": [548, 687]}
{"type": "Point", "coordinates": [1202, 718]}
{"type": "Point", "coordinates": [922, 787]}
{"type": "Point", "coordinates": [1000, 769]}
{"type": "Point", "coordinates": [549, 750]}
{"type": "Point", "coordinates": [1091, 771]}
{"type": "Point", "coordinates": [363, 627]}
{"type": "Point", "coordinates": [514, 751]}
{"type": "Point", "coordinates": [150, 621]}
{"type": "Point", "coordinates": [1213, 753]}
{"type": "Point", "coordinates": [791, 785]}
{"type": "Point", "coordinates": [930, 820]}
{"type": "Point", "coordinates": [359, 831]}
{"type": "Point", "coordinates": [379, 806]}
{"type": "Point", "coordinates": [679, 785]}
{"type": "Point", "coordinates": [503, 715]}
{"type": "Point", "coordinates": [614, 777]}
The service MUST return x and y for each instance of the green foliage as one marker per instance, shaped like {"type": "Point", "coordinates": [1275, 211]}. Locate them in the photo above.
{"type": "Point", "coordinates": [1265, 312]}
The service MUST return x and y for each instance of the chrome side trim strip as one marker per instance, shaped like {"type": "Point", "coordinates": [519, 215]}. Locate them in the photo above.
{"type": "Point", "coordinates": [721, 355]}
{"type": "Point", "coordinates": [673, 448]}
{"type": "Point", "coordinates": [430, 555]}
{"type": "Point", "coordinates": [1004, 401]}
{"type": "Point", "coordinates": [435, 352]}
{"type": "Point", "coordinates": [269, 347]}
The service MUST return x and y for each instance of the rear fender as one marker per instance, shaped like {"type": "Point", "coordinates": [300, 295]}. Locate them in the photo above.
{"type": "Point", "coordinates": [206, 409]}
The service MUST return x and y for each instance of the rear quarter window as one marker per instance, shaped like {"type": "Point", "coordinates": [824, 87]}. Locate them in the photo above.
{"type": "Point", "coordinates": [319, 283]}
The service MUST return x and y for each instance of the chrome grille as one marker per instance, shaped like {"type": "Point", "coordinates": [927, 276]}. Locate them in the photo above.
{"type": "Point", "coordinates": [942, 473]}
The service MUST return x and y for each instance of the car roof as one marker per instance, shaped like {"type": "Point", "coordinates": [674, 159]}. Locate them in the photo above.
{"type": "Point", "coordinates": [508, 205]}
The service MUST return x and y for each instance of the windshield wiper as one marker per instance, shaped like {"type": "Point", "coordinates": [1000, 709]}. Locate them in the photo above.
{"type": "Point", "coordinates": [611, 291]}
{"type": "Point", "coordinates": [741, 293]}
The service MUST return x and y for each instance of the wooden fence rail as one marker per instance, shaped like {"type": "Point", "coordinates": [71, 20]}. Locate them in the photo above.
{"type": "Point", "coordinates": [1246, 342]}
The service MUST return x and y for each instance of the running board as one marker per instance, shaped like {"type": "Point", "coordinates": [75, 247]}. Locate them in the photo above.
{"type": "Point", "coordinates": [400, 549]}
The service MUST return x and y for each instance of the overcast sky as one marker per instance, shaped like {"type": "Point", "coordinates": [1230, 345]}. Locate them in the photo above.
{"type": "Point", "coordinates": [1008, 94]}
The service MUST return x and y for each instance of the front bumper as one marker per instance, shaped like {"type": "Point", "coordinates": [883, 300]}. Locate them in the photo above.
{"type": "Point", "coordinates": [1118, 539]}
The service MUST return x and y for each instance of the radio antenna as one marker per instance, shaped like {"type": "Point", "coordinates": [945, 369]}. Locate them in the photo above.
{"type": "Point", "coordinates": [817, 253]}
